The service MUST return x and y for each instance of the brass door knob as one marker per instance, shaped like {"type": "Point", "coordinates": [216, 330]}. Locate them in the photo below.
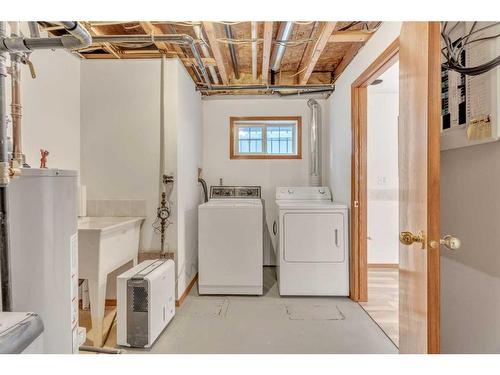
{"type": "Point", "coordinates": [408, 238]}
{"type": "Point", "coordinates": [450, 242]}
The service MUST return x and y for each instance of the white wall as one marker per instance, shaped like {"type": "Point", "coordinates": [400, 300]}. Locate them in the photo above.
{"type": "Point", "coordinates": [382, 161]}
{"type": "Point", "coordinates": [266, 173]}
{"type": "Point", "coordinates": [51, 108]}
{"type": "Point", "coordinates": [470, 276]}
{"type": "Point", "coordinates": [120, 134]}
{"type": "Point", "coordinates": [339, 158]}
{"type": "Point", "coordinates": [184, 127]}
{"type": "Point", "coordinates": [121, 146]}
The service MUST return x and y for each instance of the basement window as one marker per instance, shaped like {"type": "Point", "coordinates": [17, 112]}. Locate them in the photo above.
{"type": "Point", "coordinates": [265, 138]}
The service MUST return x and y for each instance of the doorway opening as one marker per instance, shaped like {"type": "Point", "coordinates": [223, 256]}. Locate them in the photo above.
{"type": "Point", "coordinates": [383, 203]}
{"type": "Point", "coordinates": [375, 191]}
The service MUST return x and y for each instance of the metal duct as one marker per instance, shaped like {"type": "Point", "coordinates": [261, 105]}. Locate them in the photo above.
{"type": "Point", "coordinates": [67, 41]}
{"type": "Point", "coordinates": [315, 142]}
{"type": "Point", "coordinates": [283, 36]}
{"type": "Point", "coordinates": [34, 30]}
{"type": "Point", "coordinates": [272, 87]}
{"type": "Point", "coordinates": [232, 51]}
{"type": "Point", "coordinates": [79, 32]}
{"type": "Point", "coordinates": [206, 53]}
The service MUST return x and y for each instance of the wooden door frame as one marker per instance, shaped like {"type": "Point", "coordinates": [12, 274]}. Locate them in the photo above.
{"type": "Point", "coordinates": [358, 285]}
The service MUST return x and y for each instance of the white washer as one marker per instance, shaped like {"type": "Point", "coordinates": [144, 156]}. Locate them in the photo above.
{"type": "Point", "coordinates": [230, 249]}
{"type": "Point", "coordinates": [312, 249]}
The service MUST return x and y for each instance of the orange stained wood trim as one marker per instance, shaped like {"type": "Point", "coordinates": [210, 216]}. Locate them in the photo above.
{"type": "Point", "coordinates": [180, 301]}
{"type": "Point", "coordinates": [359, 198]}
{"type": "Point", "coordinates": [433, 187]}
{"type": "Point", "coordinates": [232, 135]}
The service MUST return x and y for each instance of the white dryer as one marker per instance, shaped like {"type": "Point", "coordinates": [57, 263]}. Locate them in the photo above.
{"type": "Point", "coordinates": [230, 247]}
{"type": "Point", "coordinates": [312, 248]}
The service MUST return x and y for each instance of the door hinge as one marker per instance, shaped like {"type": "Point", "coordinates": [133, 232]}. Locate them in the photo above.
{"type": "Point", "coordinates": [356, 204]}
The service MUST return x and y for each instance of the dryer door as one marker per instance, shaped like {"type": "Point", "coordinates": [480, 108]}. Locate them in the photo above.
{"type": "Point", "coordinates": [314, 237]}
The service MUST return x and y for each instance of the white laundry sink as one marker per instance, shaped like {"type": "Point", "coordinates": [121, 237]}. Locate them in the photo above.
{"type": "Point", "coordinates": [104, 244]}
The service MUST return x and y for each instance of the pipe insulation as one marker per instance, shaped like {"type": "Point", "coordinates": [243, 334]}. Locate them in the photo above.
{"type": "Point", "coordinates": [315, 142]}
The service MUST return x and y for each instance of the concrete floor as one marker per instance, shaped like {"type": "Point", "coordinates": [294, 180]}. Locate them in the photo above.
{"type": "Point", "coordinates": [270, 324]}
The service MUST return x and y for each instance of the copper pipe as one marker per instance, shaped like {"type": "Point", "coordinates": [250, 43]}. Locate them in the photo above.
{"type": "Point", "coordinates": [16, 110]}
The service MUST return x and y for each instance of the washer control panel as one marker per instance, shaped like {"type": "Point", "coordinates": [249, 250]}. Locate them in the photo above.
{"type": "Point", "coordinates": [218, 192]}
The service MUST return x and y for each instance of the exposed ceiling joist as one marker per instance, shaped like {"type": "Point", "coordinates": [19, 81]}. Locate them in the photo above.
{"type": "Point", "coordinates": [266, 51]}
{"type": "Point", "coordinates": [108, 47]}
{"type": "Point", "coordinates": [218, 55]}
{"type": "Point", "coordinates": [253, 35]}
{"type": "Point", "coordinates": [151, 29]}
{"type": "Point", "coordinates": [349, 36]}
{"type": "Point", "coordinates": [313, 54]}
{"type": "Point", "coordinates": [317, 54]}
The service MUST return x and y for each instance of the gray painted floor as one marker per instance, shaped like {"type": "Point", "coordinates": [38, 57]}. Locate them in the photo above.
{"type": "Point", "coordinates": [271, 324]}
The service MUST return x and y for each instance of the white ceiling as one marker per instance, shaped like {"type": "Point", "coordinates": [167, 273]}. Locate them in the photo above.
{"type": "Point", "coordinates": [390, 81]}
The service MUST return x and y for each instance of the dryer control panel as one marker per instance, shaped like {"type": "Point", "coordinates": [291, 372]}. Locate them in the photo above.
{"type": "Point", "coordinates": [303, 193]}
{"type": "Point", "coordinates": [228, 192]}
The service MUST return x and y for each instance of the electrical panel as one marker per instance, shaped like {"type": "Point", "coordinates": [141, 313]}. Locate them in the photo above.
{"type": "Point", "coordinates": [470, 104]}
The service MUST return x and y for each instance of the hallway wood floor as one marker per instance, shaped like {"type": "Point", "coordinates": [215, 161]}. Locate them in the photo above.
{"type": "Point", "coordinates": [383, 300]}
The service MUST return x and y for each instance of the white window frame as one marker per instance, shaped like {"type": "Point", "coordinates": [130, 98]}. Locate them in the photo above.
{"type": "Point", "coordinates": [264, 123]}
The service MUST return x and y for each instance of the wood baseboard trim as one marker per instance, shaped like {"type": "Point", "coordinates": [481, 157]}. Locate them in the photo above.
{"type": "Point", "coordinates": [383, 265]}
{"type": "Point", "coordinates": [180, 301]}
{"type": "Point", "coordinates": [108, 303]}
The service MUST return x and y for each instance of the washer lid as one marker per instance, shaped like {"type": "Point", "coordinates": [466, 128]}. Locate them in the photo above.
{"type": "Point", "coordinates": [244, 202]}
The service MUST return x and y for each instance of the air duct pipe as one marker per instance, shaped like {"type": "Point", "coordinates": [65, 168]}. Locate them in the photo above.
{"type": "Point", "coordinates": [79, 32]}
{"type": "Point", "coordinates": [73, 42]}
{"type": "Point", "coordinates": [272, 87]}
{"type": "Point", "coordinates": [283, 36]}
{"type": "Point", "coordinates": [34, 30]}
{"type": "Point", "coordinates": [206, 53]}
{"type": "Point", "coordinates": [232, 51]}
{"type": "Point", "coordinates": [315, 143]}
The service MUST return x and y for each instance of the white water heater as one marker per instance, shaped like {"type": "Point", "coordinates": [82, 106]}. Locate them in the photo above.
{"type": "Point", "coordinates": [146, 302]}
{"type": "Point", "coordinates": [44, 253]}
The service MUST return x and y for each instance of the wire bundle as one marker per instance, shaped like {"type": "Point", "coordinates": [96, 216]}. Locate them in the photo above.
{"type": "Point", "coordinates": [453, 49]}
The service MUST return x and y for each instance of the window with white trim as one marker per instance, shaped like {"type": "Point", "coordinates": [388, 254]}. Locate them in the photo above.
{"type": "Point", "coordinates": [265, 138]}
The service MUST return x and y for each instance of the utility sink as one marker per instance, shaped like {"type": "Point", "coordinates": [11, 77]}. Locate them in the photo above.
{"type": "Point", "coordinates": [104, 244]}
